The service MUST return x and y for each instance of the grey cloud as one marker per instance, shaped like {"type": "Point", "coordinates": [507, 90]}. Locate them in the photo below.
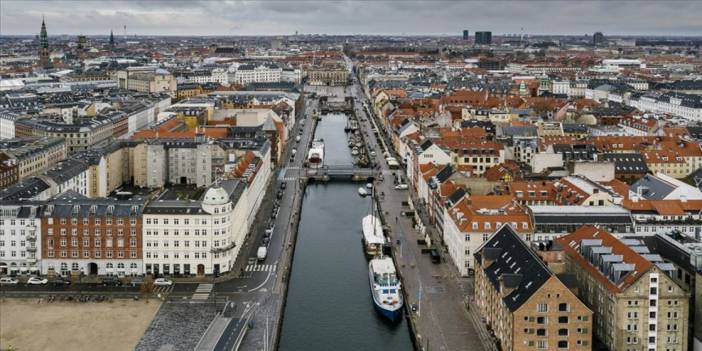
{"type": "Point", "coordinates": [269, 17]}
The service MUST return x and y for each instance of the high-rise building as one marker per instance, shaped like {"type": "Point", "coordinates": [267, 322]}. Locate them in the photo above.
{"type": "Point", "coordinates": [43, 46]}
{"type": "Point", "coordinates": [465, 34]}
{"type": "Point", "coordinates": [598, 39]}
{"type": "Point", "coordinates": [82, 42]}
{"type": "Point", "coordinates": [483, 38]}
{"type": "Point", "coordinates": [112, 39]}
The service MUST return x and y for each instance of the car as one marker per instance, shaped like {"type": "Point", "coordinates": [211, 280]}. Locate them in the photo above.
{"type": "Point", "coordinates": [283, 185]}
{"type": "Point", "coordinates": [163, 282]}
{"type": "Point", "coordinates": [111, 281]}
{"type": "Point", "coordinates": [37, 281]}
{"type": "Point", "coordinates": [435, 256]}
{"type": "Point", "coordinates": [401, 187]}
{"type": "Point", "coordinates": [60, 282]}
{"type": "Point", "coordinates": [8, 280]}
{"type": "Point", "coordinates": [373, 153]}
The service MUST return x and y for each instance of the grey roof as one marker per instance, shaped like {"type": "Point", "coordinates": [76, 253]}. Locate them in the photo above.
{"type": "Point", "coordinates": [652, 188]}
{"type": "Point", "coordinates": [72, 204]}
{"type": "Point", "coordinates": [626, 162]}
{"type": "Point", "coordinates": [516, 265]}
{"type": "Point", "coordinates": [25, 189]}
{"type": "Point", "coordinates": [67, 169]}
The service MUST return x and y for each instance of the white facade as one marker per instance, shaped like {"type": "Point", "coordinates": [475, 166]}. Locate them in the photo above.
{"type": "Point", "coordinates": [194, 238]}
{"type": "Point", "coordinates": [259, 74]}
{"type": "Point", "coordinates": [7, 126]}
{"type": "Point", "coordinates": [20, 247]}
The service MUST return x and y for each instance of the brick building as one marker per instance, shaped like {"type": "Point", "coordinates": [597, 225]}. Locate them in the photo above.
{"type": "Point", "coordinates": [526, 305]}
{"type": "Point", "coordinates": [92, 236]}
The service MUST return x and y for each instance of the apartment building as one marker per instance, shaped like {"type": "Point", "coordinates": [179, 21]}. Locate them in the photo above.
{"type": "Point", "coordinates": [20, 228]}
{"type": "Point", "coordinates": [91, 236]}
{"type": "Point", "coordinates": [34, 155]}
{"type": "Point", "coordinates": [472, 220]}
{"type": "Point", "coordinates": [637, 304]}
{"type": "Point", "coordinates": [523, 302]}
{"type": "Point", "coordinates": [196, 237]}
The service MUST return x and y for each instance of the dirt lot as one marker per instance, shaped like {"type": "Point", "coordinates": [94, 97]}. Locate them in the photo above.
{"type": "Point", "coordinates": [28, 326]}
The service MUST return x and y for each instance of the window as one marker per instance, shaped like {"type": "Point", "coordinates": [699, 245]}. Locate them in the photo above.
{"type": "Point", "coordinates": [563, 332]}
{"type": "Point", "coordinates": [563, 307]}
{"type": "Point", "coordinates": [542, 308]}
{"type": "Point", "coordinates": [541, 332]}
{"type": "Point", "coordinates": [562, 344]}
{"type": "Point", "coordinates": [563, 319]}
{"type": "Point", "coordinates": [541, 344]}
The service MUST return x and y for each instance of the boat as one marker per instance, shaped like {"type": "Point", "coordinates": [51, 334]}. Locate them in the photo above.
{"type": "Point", "coordinates": [373, 238]}
{"type": "Point", "coordinates": [354, 152]}
{"type": "Point", "coordinates": [369, 185]}
{"type": "Point", "coordinates": [315, 157]}
{"type": "Point", "coordinates": [362, 192]}
{"type": "Point", "coordinates": [385, 288]}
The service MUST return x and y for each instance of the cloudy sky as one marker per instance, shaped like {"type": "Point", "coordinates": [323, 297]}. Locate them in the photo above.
{"type": "Point", "coordinates": [269, 17]}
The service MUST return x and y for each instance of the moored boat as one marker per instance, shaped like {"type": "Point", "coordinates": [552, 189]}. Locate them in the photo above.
{"type": "Point", "coordinates": [385, 288]}
{"type": "Point", "coordinates": [373, 238]}
{"type": "Point", "coordinates": [315, 157]}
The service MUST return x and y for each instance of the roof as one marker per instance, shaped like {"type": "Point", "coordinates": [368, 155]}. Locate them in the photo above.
{"type": "Point", "coordinates": [612, 262]}
{"type": "Point", "coordinates": [513, 264]}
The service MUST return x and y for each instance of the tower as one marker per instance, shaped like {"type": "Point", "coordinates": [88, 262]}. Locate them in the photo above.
{"type": "Point", "coordinates": [598, 39]}
{"type": "Point", "coordinates": [43, 46]}
{"type": "Point", "coordinates": [112, 40]}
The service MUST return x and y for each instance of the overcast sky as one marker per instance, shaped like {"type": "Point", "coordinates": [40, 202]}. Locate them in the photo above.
{"type": "Point", "coordinates": [267, 17]}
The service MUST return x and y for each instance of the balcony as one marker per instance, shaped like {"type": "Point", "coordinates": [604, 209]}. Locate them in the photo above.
{"type": "Point", "coordinates": [32, 260]}
{"type": "Point", "coordinates": [31, 237]}
{"type": "Point", "coordinates": [31, 249]}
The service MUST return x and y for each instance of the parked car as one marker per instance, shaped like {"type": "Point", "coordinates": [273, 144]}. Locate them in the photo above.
{"type": "Point", "coordinates": [163, 282]}
{"type": "Point", "coordinates": [401, 187]}
{"type": "Point", "coordinates": [60, 282]}
{"type": "Point", "coordinates": [37, 281]}
{"type": "Point", "coordinates": [111, 281]}
{"type": "Point", "coordinates": [8, 280]}
{"type": "Point", "coordinates": [261, 253]}
{"type": "Point", "coordinates": [435, 257]}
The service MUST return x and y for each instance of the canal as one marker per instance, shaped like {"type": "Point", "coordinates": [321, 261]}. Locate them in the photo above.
{"type": "Point", "coordinates": [329, 305]}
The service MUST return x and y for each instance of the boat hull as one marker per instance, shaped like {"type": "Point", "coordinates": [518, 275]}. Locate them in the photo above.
{"type": "Point", "coordinates": [392, 315]}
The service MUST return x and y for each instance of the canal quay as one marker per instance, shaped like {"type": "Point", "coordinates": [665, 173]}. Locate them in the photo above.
{"type": "Point", "coordinates": [329, 304]}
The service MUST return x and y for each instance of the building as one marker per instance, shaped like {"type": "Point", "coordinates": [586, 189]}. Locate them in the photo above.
{"type": "Point", "coordinates": [34, 156]}
{"type": "Point", "coordinates": [20, 226]}
{"type": "Point", "coordinates": [471, 221]}
{"type": "Point", "coordinates": [686, 254]}
{"type": "Point", "coordinates": [44, 53]}
{"type": "Point", "coordinates": [598, 39]}
{"type": "Point", "coordinates": [483, 38]}
{"type": "Point", "coordinates": [7, 125]}
{"type": "Point", "coordinates": [465, 35]}
{"type": "Point", "coordinates": [523, 302]}
{"type": "Point", "coordinates": [196, 237]}
{"type": "Point", "coordinates": [550, 222]}
{"type": "Point", "coordinates": [637, 305]}
{"type": "Point", "coordinates": [9, 171]}
{"type": "Point", "coordinates": [332, 75]}
{"type": "Point", "coordinates": [146, 80]}
{"type": "Point", "coordinates": [82, 236]}
{"type": "Point", "coordinates": [249, 73]}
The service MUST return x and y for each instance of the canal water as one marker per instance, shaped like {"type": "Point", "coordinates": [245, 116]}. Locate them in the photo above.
{"type": "Point", "coordinates": [331, 129]}
{"type": "Point", "coordinates": [329, 305]}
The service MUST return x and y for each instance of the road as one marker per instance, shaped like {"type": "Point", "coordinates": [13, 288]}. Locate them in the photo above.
{"type": "Point", "coordinates": [442, 320]}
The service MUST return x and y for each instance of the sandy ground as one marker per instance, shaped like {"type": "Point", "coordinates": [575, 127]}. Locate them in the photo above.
{"type": "Point", "coordinates": [28, 326]}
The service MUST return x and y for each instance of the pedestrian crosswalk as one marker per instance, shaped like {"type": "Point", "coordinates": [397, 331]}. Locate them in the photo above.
{"type": "Point", "coordinates": [260, 268]}
{"type": "Point", "coordinates": [162, 289]}
{"type": "Point", "coordinates": [202, 292]}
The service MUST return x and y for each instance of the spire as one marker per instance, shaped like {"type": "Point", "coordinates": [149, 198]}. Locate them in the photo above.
{"type": "Point", "coordinates": [112, 39]}
{"type": "Point", "coordinates": [43, 45]}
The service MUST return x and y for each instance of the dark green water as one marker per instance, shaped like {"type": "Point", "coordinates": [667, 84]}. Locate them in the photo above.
{"type": "Point", "coordinates": [329, 305]}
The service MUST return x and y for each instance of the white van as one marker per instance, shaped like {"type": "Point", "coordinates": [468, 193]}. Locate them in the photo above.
{"type": "Point", "coordinates": [262, 253]}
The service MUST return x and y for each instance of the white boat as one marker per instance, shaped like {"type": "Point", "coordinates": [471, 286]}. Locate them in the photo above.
{"type": "Point", "coordinates": [362, 192]}
{"type": "Point", "coordinates": [354, 151]}
{"type": "Point", "coordinates": [315, 157]}
{"type": "Point", "coordinates": [369, 185]}
{"type": "Point", "coordinates": [373, 238]}
{"type": "Point", "coordinates": [385, 288]}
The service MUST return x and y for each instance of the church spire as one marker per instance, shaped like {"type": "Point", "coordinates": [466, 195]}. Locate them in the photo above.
{"type": "Point", "coordinates": [43, 45]}
{"type": "Point", "coordinates": [112, 39]}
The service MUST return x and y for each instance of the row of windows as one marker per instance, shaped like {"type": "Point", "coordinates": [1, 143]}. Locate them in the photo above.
{"type": "Point", "coordinates": [185, 255]}
{"type": "Point", "coordinates": [96, 231]}
{"type": "Point", "coordinates": [87, 254]}
{"type": "Point", "coordinates": [13, 243]}
{"type": "Point", "coordinates": [96, 221]}
{"type": "Point", "coordinates": [14, 253]}
{"type": "Point", "coordinates": [97, 242]}
{"type": "Point", "coordinates": [186, 243]}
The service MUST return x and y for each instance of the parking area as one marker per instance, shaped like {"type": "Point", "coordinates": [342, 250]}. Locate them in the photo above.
{"type": "Point", "coordinates": [106, 326]}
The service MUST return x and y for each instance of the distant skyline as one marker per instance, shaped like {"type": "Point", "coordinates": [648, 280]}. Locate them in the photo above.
{"type": "Point", "coordinates": [388, 17]}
